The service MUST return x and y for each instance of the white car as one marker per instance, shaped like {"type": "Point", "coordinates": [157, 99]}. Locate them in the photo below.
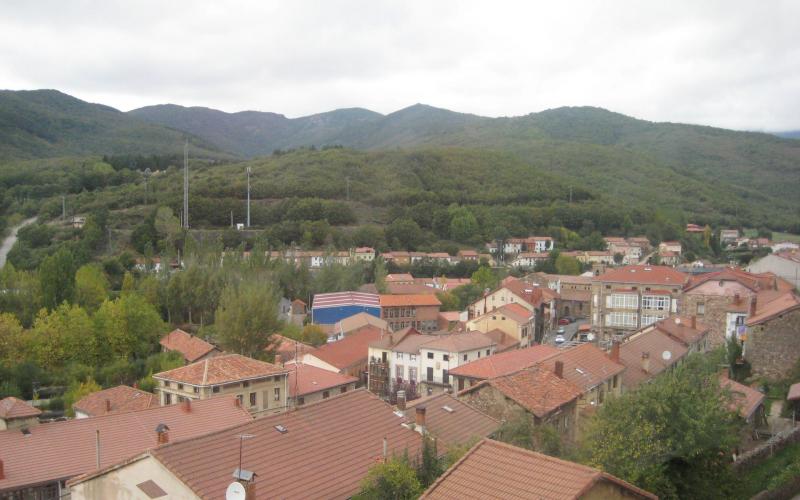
{"type": "Point", "coordinates": [560, 339]}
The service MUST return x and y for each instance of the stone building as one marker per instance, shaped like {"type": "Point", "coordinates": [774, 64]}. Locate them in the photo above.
{"type": "Point", "coordinates": [771, 342]}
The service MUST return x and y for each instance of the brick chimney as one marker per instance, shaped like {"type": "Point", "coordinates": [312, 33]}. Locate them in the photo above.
{"type": "Point", "coordinates": [646, 362]}
{"type": "Point", "coordinates": [186, 405]}
{"type": "Point", "coordinates": [559, 369]}
{"type": "Point", "coordinates": [162, 434]}
{"type": "Point", "coordinates": [694, 322]}
{"type": "Point", "coordinates": [420, 420]}
{"type": "Point", "coordinates": [401, 400]}
{"type": "Point", "coordinates": [753, 305]}
{"type": "Point", "coordinates": [614, 354]}
{"type": "Point", "coordinates": [237, 403]}
{"type": "Point", "coordinates": [108, 405]}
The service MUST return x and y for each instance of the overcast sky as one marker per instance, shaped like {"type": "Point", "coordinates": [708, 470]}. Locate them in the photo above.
{"type": "Point", "coordinates": [732, 64]}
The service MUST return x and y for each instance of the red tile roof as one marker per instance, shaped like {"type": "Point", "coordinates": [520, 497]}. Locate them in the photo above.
{"type": "Point", "coordinates": [497, 470]}
{"type": "Point", "coordinates": [289, 348]}
{"type": "Point", "coordinates": [358, 320]}
{"type": "Point", "coordinates": [794, 392]}
{"type": "Point", "coordinates": [326, 451]}
{"type": "Point", "coordinates": [460, 342]}
{"type": "Point", "coordinates": [753, 281]}
{"type": "Point", "coordinates": [650, 275]}
{"type": "Point", "coordinates": [504, 363]}
{"type": "Point", "coordinates": [61, 450]}
{"type": "Point", "coordinates": [746, 400]}
{"type": "Point", "coordinates": [11, 408]}
{"type": "Point", "coordinates": [784, 303]}
{"type": "Point", "coordinates": [191, 347]}
{"type": "Point", "coordinates": [306, 379]}
{"type": "Point", "coordinates": [418, 299]}
{"type": "Point", "coordinates": [533, 294]}
{"type": "Point", "coordinates": [536, 388]}
{"type": "Point", "coordinates": [655, 343]}
{"type": "Point", "coordinates": [351, 350]}
{"type": "Point", "coordinates": [585, 365]}
{"type": "Point", "coordinates": [393, 278]}
{"type": "Point", "coordinates": [221, 370]}
{"type": "Point", "coordinates": [503, 341]}
{"type": "Point", "coordinates": [452, 421]}
{"type": "Point", "coordinates": [680, 328]}
{"type": "Point", "coordinates": [115, 399]}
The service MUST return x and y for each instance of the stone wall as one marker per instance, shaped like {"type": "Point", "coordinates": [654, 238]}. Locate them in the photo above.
{"type": "Point", "coordinates": [773, 347]}
{"type": "Point", "coordinates": [716, 314]}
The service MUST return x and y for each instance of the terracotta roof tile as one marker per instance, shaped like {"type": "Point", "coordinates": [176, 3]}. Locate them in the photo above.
{"type": "Point", "coordinates": [497, 470]}
{"type": "Point", "coordinates": [115, 399]}
{"type": "Point", "coordinates": [326, 451]}
{"type": "Point", "coordinates": [61, 450]}
{"type": "Point", "coordinates": [307, 379]}
{"type": "Point", "coordinates": [289, 348]}
{"type": "Point", "coordinates": [585, 365]}
{"type": "Point", "coordinates": [359, 320]}
{"type": "Point", "coordinates": [351, 350]}
{"type": "Point", "coordinates": [221, 370]}
{"type": "Point", "coordinates": [680, 327]}
{"type": "Point", "coordinates": [652, 275]}
{"type": "Point", "coordinates": [504, 363]}
{"type": "Point", "coordinates": [503, 341]}
{"type": "Point", "coordinates": [655, 343]}
{"type": "Point", "coordinates": [784, 303]}
{"type": "Point", "coordinates": [452, 421]}
{"type": "Point", "coordinates": [746, 400]}
{"type": "Point", "coordinates": [794, 392]}
{"type": "Point", "coordinates": [192, 348]}
{"type": "Point", "coordinates": [12, 407]}
{"type": "Point", "coordinates": [418, 299]}
{"type": "Point", "coordinates": [460, 342]}
{"type": "Point", "coordinates": [536, 388]}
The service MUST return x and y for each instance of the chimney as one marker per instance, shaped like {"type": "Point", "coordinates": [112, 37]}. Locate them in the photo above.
{"type": "Point", "coordinates": [237, 403]}
{"type": "Point", "coordinates": [162, 434]}
{"type": "Point", "coordinates": [559, 370]}
{"type": "Point", "coordinates": [646, 362]}
{"type": "Point", "coordinates": [614, 355]}
{"type": "Point", "coordinates": [420, 420]}
{"type": "Point", "coordinates": [279, 360]}
{"type": "Point", "coordinates": [694, 322]}
{"type": "Point", "coordinates": [736, 298]}
{"type": "Point", "coordinates": [250, 491]}
{"type": "Point", "coordinates": [753, 305]}
{"type": "Point", "coordinates": [186, 405]}
{"type": "Point", "coordinates": [401, 400]}
{"type": "Point", "coordinates": [385, 449]}
{"type": "Point", "coordinates": [2, 473]}
{"type": "Point", "coordinates": [108, 405]}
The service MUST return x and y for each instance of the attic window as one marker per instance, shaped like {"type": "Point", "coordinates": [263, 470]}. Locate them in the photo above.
{"type": "Point", "coordinates": [151, 489]}
{"type": "Point", "coordinates": [25, 431]}
{"type": "Point", "coordinates": [580, 371]}
{"type": "Point", "coordinates": [448, 409]}
{"type": "Point", "coordinates": [281, 429]}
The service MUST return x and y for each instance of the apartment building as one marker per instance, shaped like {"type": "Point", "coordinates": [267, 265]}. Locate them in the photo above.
{"type": "Point", "coordinates": [420, 311]}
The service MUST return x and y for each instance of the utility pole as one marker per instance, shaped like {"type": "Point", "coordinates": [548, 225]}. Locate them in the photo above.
{"type": "Point", "coordinates": [347, 179]}
{"type": "Point", "coordinates": [186, 185]}
{"type": "Point", "coordinates": [249, 171]}
{"type": "Point", "coordinates": [63, 207]}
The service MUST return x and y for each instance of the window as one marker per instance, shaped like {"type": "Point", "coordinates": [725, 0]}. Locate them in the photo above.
{"type": "Point", "coordinates": [524, 332]}
{"type": "Point", "coordinates": [398, 355]}
{"type": "Point", "coordinates": [701, 308]}
{"type": "Point", "coordinates": [167, 398]}
{"type": "Point", "coordinates": [487, 352]}
{"type": "Point", "coordinates": [276, 393]}
{"type": "Point", "coordinates": [215, 389]}
{"type": "Point", "coordinates": [429, 374]}
{"type": "Point", "coordinates": [343, 389]}
{"type": "Point", "coordinates": [445, 377]}
{"type": "Point", "coordinates": [245, 384]}
{"type": "Point", "coordinates": [479, 354]}
{"type": "Point", "coordinates": [276, 378]}
{"type": "Point", "coordinates": [412, 357]}
{"type": "Point", "coordinates": [622, 319]}
{"type": "Point", "coordinates": [445, 357]}
{"type": "Point", "coordinates": [649, 319]}
{"type": "Point", "coordinates": [465, 357]}
{"type": "Point", "coordinates": [196, 390]}
{"type": "Point", "coordinates": [616, 381]}
{"type": "Point", "coordinates": [252, 399]}
{"type": "Point", "coordinates": [326, 394]}
{"type": "Point", "coordinates": [301, 401]}
{"type": "Point", "coordinates": [180, 387]}
{"type": "Point", "coordinates": [240, 397]}
{"type": "Point", "coordinates": [430, 355]}
{"type": "Point", "coordinates": [655, 302]}
{"type": "Point", "coordinates": [624, 301]}
{"type": "Point", "coordinates": [412, 373]}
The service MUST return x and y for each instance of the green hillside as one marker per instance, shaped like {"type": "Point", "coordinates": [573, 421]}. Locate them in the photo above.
{"type": "Point", "coordinates": [48, 123]}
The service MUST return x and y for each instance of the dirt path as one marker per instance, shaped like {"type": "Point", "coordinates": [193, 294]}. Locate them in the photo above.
{"type": "Point", "coordinates": [8, 243]}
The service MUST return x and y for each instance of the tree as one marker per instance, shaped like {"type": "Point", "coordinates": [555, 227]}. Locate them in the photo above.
{"type": "Point", "coordinates": [128, 326]}
{"type": "Point", "coordinates": [12, 341]}
{"type": "Point", "coordinates": [567, 265]}
{"type": "Point", "coordinates": [57, 278]}
{"type": "Point", "coordinates": [618, 258]}
{"type": "Point", "coordinates": [247, 317]}
{"type": "Point", "coordinates": [430, 467]}
{"type": "Point", "coordinates": [671, 434]}
{"type": "Point", "coordinates": [406, 233]}
{"type": "Point", "coordinates": [314, 335]}
{"type": "Point", "coordinates": [484, 278]}
{"type": "Point", "coordinates": [379, 274]}
{"type": "Point", "coordinates": [77, 390]}
{"type": "Point", "coordinates": [167, 225]}
{"type": "Point", "coordinates": [394, 479]}
{"type": "Point", "coordinates": [91, 287]}
{"type": "Point", "coordinates": [463, 225]}
{"type": "Point", "coordinates": [63, 335]}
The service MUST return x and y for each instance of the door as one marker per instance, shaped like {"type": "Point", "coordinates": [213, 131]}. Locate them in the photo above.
{"type": "Point", "coordinates": [430, 374]}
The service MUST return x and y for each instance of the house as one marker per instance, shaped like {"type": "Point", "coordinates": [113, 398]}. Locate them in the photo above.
{"type": "Point", "coordinates": [784, 264]}
{"type": "Point", "coordinates": [449, 420]}
{"type": "Point", "coordinates": [259, 386]}
{"type": "Point", "coordinates": [782, 246]}
{"type": "Point", "coordinates": [348, 356]}
{"type": "Point", "coordinates": [529, 259]}
{"type": "Point", "coordinates": [450, 320]}
{"type": "Point", "coordinates": [17, 414]}
{"type": "Point", "coordinates": [670, 246]}
{"type": "Point", "coordinates": [722, 299]}
{"type": "Point", "coordinates": [287, 349]}
{"type": "Point", "coordinates": [420, 311]}
{"type": "Point", "coordinates": [727, 236]}
{"type": "Point", "coordinates": [114, 400]}
{"type": "Point", "coordinates": [695, 229]}
{"type": "Point", "coordinates": [669, 258]}
{"type": "Point", "coordinates": [190, 347]}
{"type": "Point", "coordinates": [292, 311]}
{"type": "Point", "coordinates": [446, 352]}
{"type": "Point", "coordinates": [308, 383]}
{"type": "Point", "coordinates": [497, 365]}
{"type": "Point", "coordinates": [574, 292]}
{"type": "Point", "coordinates": [319, 450]}
{"type": "Point", "coordinates": [540, 393]}
{"type": "Point", "coordinates": [630, 297]}
{"type": "Point", "coordinates": [533, 475]}
{"type": "Point", "coordinates": [746, 401]}
{"type": "Point", "coordinates": [770, 342]}
{"type": "Point", "coordinates": [647, 354]}
{"type": "Point", "coordinates": [328, 308]}
{"type": "Point", "coordinates": [346, 326]}
{"type": "Point", "coordinates": [468, 256]}
{"type": "Point", "coordinates": [38, 462]}
{"type": "Point", "coordinates": [397, 258]}
{"type": "Point", "coordinates": [512, 319]}
{"type": "Point", "coordinates": [366, 254]}
{"type": "Point", "coordinates": [399, 279]}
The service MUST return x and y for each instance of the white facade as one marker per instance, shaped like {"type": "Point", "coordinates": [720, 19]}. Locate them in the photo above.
{"type": "Point", "coordinates": [435, 364]}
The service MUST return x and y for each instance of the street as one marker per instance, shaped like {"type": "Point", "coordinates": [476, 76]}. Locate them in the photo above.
{"type": "Point", "coordinates": [569, 332]}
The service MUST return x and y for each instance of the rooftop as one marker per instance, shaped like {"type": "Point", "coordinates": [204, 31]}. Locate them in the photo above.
{"type": "Point", "coordinates": [536, 388]}
{"type": "Point", "coordinates": [460, 342]}
{"type": "Point", "coordinates": [746, 400]}
{"type": "Point", "coordinates": [492, 468]}
{"type": "Point", "coordinates": [782, 304]}
{"type": "Point", "coordinates": [339, 299]}
{"type": "Point", "coordinates": [585, 365]}
{"type": "Point", "coordinates": [115, 399]}
{"type": "Point", "coordinates": [307, 379]}
{"type": "Point", "coordinates": [416, 299]}
{"type": "Point", "coordinates": [191, 347]}
{"type": "Point", "coordinates": [680, 328]}
{"type": "Point", "coordinates": [349, 351]}
{"type": "Point", "coordinates": [452, 421]}
{"type": "Point", "coordinates": [504, 363]}
{"type": "Point", "coordinates": [655, 343]}
{"type": "Point", "coordinates": [61, 450]}
{"type": "Point", "coordinates": [11, 408]}
{"type": "Point", "coordinates": [289, 348]}
{"type": "Point", "coordinates": [357, 321]}
{"type": "Point", "coordinates": [222, 369]}
{"type": "Point", "coordinates": [651, 275]}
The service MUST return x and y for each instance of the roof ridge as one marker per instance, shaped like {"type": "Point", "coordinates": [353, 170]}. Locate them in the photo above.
{"type": "Point", "coordinates": [453, 467]}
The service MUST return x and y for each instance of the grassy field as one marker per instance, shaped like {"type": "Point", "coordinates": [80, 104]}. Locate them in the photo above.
{"type": "Point", "coordinates": [758, 478]}
{"type": "Point", "coordinates": [786, 237]}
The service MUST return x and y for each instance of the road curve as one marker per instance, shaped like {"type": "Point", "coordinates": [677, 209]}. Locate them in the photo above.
{"type": "Point", "coordinates": [8, 242]}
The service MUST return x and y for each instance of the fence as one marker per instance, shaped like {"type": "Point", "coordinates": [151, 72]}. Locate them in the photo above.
{"type": "Point", "coordinates": [773, 445]}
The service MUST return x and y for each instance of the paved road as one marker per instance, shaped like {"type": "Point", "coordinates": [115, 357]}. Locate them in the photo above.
{"type": "Point", "coordinates": [8, 243]}
{"type": "Point", "coordinates": [569, 332]}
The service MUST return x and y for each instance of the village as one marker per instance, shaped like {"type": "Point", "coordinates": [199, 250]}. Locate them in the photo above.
{"type": "Point", "coordinates": [399, 376]}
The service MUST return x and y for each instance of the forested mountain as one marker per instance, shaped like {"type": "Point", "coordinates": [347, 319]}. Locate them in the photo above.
{"type": "Point", "coordinates": [49, 123]}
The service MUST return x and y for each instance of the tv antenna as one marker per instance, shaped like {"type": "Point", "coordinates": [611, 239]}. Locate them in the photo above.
{"type": "Point", "coordinates": [186, 185]}
{"type": "Point", "coordinates": [249, 171]}
{"type": "Point", "coordinates": [235, 491]}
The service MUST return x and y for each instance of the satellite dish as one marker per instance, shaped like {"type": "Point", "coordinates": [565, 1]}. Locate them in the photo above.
{"type": "Point", "coordinates": [666, 355]}
{"type": "Point", "coordinates": [235, 491]}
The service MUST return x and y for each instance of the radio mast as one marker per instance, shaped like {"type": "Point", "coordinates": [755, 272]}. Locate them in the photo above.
{"type": "Point", "coordinates": [186, 185]}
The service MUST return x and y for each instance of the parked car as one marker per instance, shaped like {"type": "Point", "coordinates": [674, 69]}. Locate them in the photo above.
{"type": "Point", "coordinates": [564, 321]}
{"type": "Point", "coordinates": [560, 339]}
{"type": "Point", "coordinates": [561, 330]}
